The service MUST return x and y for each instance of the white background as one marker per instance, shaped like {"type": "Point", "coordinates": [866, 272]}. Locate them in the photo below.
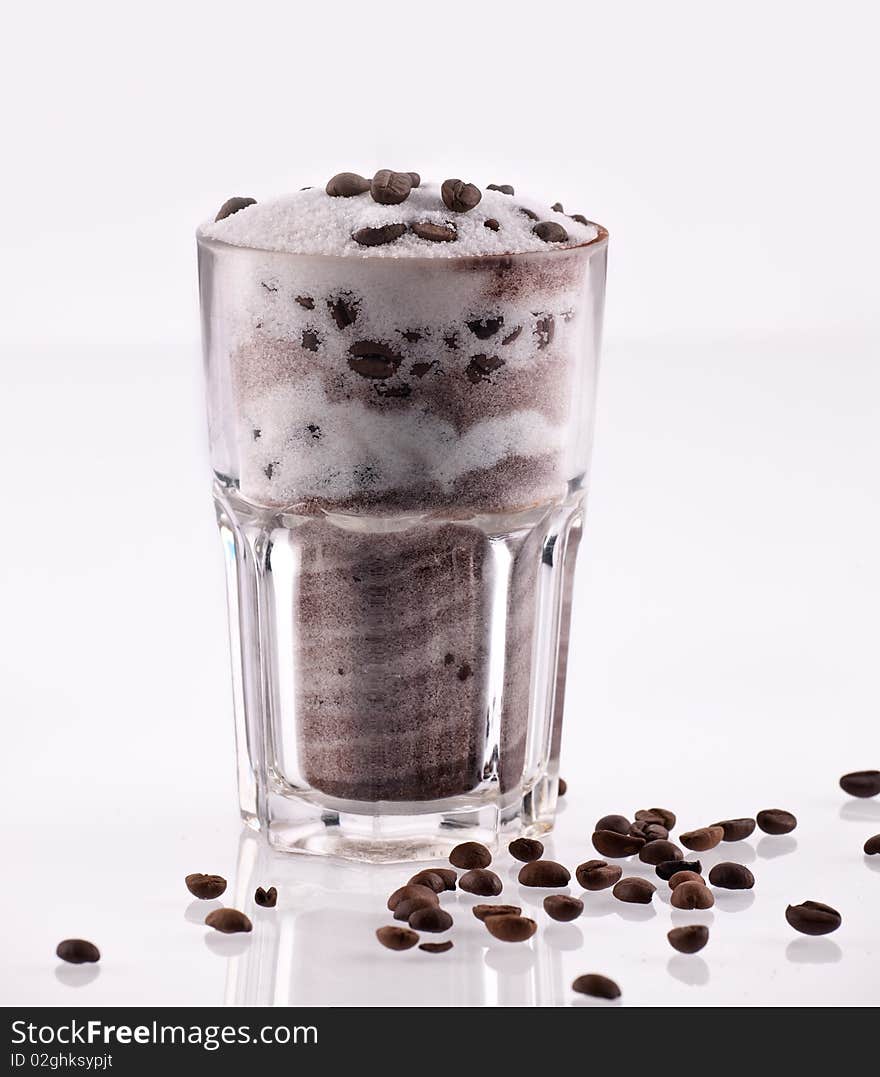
{"type": "Point", "coordinates": [725, 636]}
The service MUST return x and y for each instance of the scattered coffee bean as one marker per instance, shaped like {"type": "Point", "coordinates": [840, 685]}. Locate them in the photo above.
{"type": "Point", "coordinates": [511, 928]}
{"type": "Point", "coordinates": [405, 908]}
{"type": "Point", "coordinates": [306, 301]}
{"type": "Point", "coordinates": [470, 854]}
{"type": "Point", "coordinates": [596, 986]}
{"type": "Point", "coordinates": [228, 921]}
{"type": "Point", "coordinates": [491, 224]}
{"type": "Point", "coordinates": [205, 887]}
{"type": "Point", "coordinates": [481, 367]}
{"type": "Point", "coordinates": [310, 340]}
{"type": "Point", "coordinates": [657, 815]}
{"type": "Point", "coordinates": [509, 339]}
{"type": "Point", "coordinates": [482, 911]}
{"type": "Point", "coordinates": [618, 823]}
{"type": "Point", "coordinates": [813, 918]}
{"type": "Point", "coordinates": [579, 217]}
{"type": "Point", "coordinates": [347, 185]}
{"type": "Point", "coordinates": [685, 877]}
{"type": "Point", "coordinates": [266, 899]}
{"type": "Point", "coordinates": [434, 879]}
{"type": "Point", "coordinates": [480, 881]}
{"type": "Point", "coordinates": [689, 939]}
{"type": "Point", "coordinates": [703, 839]}
{"type": "Point", "coordinates": [731, 876]}
{"type": "Point", "coordinates": [376, 237]}
{"type": "Point", "coordinates": [526, 850]}
{"type": "Point", "coordinates": [736, 829]}
{"type": "Point", "coordinates": [344, 310]}
{"type": "Point", "coordinates": [635, 890]}
{"type": "Point", "coordinates": [459, 196]}
{"type": "Point", "coordinates": [436, 947]}
{"type": "Point", "coordinates": [671, 867]}
{"type": "Point", "coordinates": [562, 787]}
{"type": "Point", "coordinates": [485, 328]}
{"type": "Point", "coordinates": [550, 232]}
{"type": "Point", "coordinates": [433, 232]}
{"type": "Point", "coordinates": [597, 875]}
{"type": "Point", "coordinates": [692, 895]}
{"type": "Point", "coordinates": [77, 951]}
{"type": "Point", "coordinates": [397, 938]}
{"type": "Point", "coordinates": [503, 188]}
{"type": "Point", "coordinates": [532, 216]}
{"type": "Point", "coordinates": [410, 891]}
{"type": "Point", "coordinates": [415, 179]}
{"type": "Point", "coordinates": [562, 907]}
{"type": "Point", "coordinates": [233, 205]}
{"type": "Point", "coordinates": [872, 845]}
{"type": "Point", "coordinates": [660, 851]}
{"type": "Point", "coordinates": [610, 843]}
{"type": "Point", "coordinates": [861, 783]}
{"type": "Point", "coordinates": [544, 873]}
{"type": "Point", "coordinates": [649, 831]}
{"type": "Point", "coordinates": [557, 207]}
{"type": "Point", "coordinates": [372, 359]}
{"type": "Point", "coordinates": [776, 821]}
{"type": "Point", "coordinates": [430, 918]}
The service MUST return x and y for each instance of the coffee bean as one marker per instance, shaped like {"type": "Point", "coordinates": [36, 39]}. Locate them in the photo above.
{"type": "Point", "coordinates": [233, 205]}
{"type": "Point", "coordinates": [344, 310]}
{"type": "Point", "coordinates": [692, 895]}
{"type": "Point", "coordinates": [228, 921]}
{"type": "Point", "coordinates": [685, 877]}
{"type": "Point", "coordinates": [596, 986]}
{"type": "Point", "coordinates": [347, 185]}
{"type": "Point", "coordinates": [436, 947]}
{"type": "Point", "coordinates": [736, 829]}
{"type": "Point", "coordinates": [310, 340]}
{"type": "Point", "coordinates": [433, 232]}
{"type": "Point", "coordinates": [610, 843]}
{"type": "Point", "coordinates": [872, 845]}
{"type": "Point", "coordinates": [459, 196]}
{"type": "Point", "coordinates": [663, 816]}
{"type": "Point", "coordinates": [557, 207]}
{"type": "Point", "coordinates": [483, 911]}
{"type": "Point", "coordinates": [618, 823]}
{"type": "Point", "coordinates": [306, 301]}
{"type": "Point", "coordinates": [707, 837]}
{"type": "Point", "coordinates": [503, 188]}
{"type": "Point", "coordinates": [861, 783]}
{"type": "Point", "coordinates": [397, 938]}
{"type": "Point", "coordinates": [813, 918]}
{"type": "Point", "coordinates": [731, 876]}
{"type": "Point", "coordinates": [562, 907]}
{"type": "Point", "coordinates": [481, 367]}
{"type": "Point", "coordinates": [406, 907]}
{"type": "Point", "coordinates": [528, 213]}
{"type": "Point", "coordinates": [597, 875]}
{"type": "Point", "coordinates": [671, 867]}
{"type": "Point", "coordinates": [480, 881]}
{"type": "Point", "coordinates": [649, 831]}
{"type": "Point", "coordinates": [485, 328]}
{"type": "Point", "coordinates": [635, 890]}
{"type": "Point", "coordinates": [435, 879]}
{"type": "Point", "coordinates": [491, 224]}
{"type": "Point", "coordinates": [266, 899]}
{"type": "Point", "coordinates": [412, 890]}
{"type": "Point", "coordinates": [470, 854]}
{"type": "Point", "coordinates": [415, 179]}
{"type": "Point", "coordinates": [776, 821]}
{"type": "Point", "coordinates": [511, 928]}
{"type": "Point", "coordinates": [689, 939]}
{"type": "Point", "coordinates": [77, 951]}
{"type": "Point", "coordinates": [562, 787]}
{"type": "Point", "coordinates": [660, 852]}
{"type": "Point", "coordinates": [579, 217]}
{"type": "Point", "coordinates": [544, 873]}
{"type": "Point", "coordinates": [371, 359]}
{"type": "Point", "coordinates": [550, 232]}
{"type": "Point", "coordinates": [430, 918]}
{"type": "Point", "coordinates": [205, 886]}
{"type": "Point", "coordinates": [376, 237]}
{"type": "Point", "coordinates": [509, 339]}
{"type": "Point", "coordinates": [526, 850]}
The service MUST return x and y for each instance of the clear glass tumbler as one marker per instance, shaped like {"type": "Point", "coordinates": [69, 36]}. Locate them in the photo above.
{"type": "Point", "coordinates": [400, 449]}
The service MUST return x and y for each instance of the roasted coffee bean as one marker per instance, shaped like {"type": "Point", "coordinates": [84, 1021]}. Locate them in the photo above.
{"type": "Point", "coordinates": [597, 875]}
{"type": "Point", "coordinates": [371, 359]}
{"type": "Point", "coordinates": [485, 328]}
{"type": "Point", "coordinates": [470, 854]}
{"type": "Point", "coordinates": [707, 837]}
{"type": "Point", "coordinates": [685, 877]}
{"type": "Point", "coordinates": [344, 310]}
{"type": "Point", "coordinates": [482, 911]}
{"type": "Point", "coordinates": [415, 179]}
{"type": "Point", "coordinates": [813, 918]}
{"type": "Point", "coordinates": [412, 890]}
{"type": "Point", "coordinates": [503, 188]}
{"type": "Point", "coordinates": [205, 886]}
{"type": "Point", "coordinates": [660, 852]}
{"type": "Point", "coordinates": [557, 207]}
{"type": "Point", "coordinates": [511, 928]}
{"type": "Point", "coordinates": [689, 939]}
{"type": "Point", "coordinates": [431, 878]}
{"type": "Point", "coordinates": [480, 881]}
{"type": "Point", "coordinates": [635, 890]}
{"type": "Point", "coordinates": [562, 787]}
{"type": "Point", "coordinates": [430, 918]}
{"type": "Point", "coordinates": [692, 895]}
{"type": "Point", "coordinates": [550, 232]}
{"type": "Point", "coordinates": [397, 938]}
{"type": "Point", "coordinates": [562, 907]}
{"type": "Point", "coordinates": [731, 876]}
{"type": "Point", "coordinates": [306, 301]}
{"type": "Point", "coordinates": [436, 947]}
{"type": "Point", "coordinates": [544, 873]}
{"type": "Point", "coordinates": [405, 908]}
{"type": "Point", "coordinates": [376, 237]}
{"type": "Point", "coordinates": [346, 185]}
{"type": "Point", "coordinates": [671, 867]}
{"type": "Point", "coordinates": [610, 843]}
{"type": "Point", "coordinates": [736, 829]}
{"type": "Point", "coordinates": [390, 188]}
{"type": "Point", "coordinates": [649, 831]}
{"type": "Point", "coordinates": [491, 224]}
{"type": "Point", "coordinates": [596, 986]}
{"type": "Point", "coordinates": [872, 845]}
{"type": "Point", "coordinates": [509, 339]}
{"type": "Point", "coordinates": [532, 216]}
{"type": "Point", "coordinates": [618, 823]}
{"type": "Point", "coordinates": [310, 340]}
{"type": "Point", "coordinates": [228, 921]}
{"type": "Point", "coordinates": [77, 951]}
{"type": "Point", "coordinates": [233, 205]}
{"type": "Point", "coordinates": [657, 815]}
{"type": "Point", "coordinates": [861, 783]}
{"type": "Point", "coordinates": [579, 217]}
{"type": "Point", "coordinates": [434, 232]}
{"type": "Point", "coordinates": [526, 849]}
{"type": "Point", "coordinates": [266, 899]}
{"type": "Point", "coordinates": [776, 821]}
{"type": "Point", "coordinates": [459, 196]}
{"type": "Point", "coordinates": [481, 367]}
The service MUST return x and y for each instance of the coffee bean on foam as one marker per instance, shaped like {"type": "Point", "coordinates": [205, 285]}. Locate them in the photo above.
{"type": "Point", "coordinates": [688, 939]}
{"type": "Point", "coordinates": [434, 232]}
{"type": "Point", "coordinates": [373, 359]}
{"type": "Point", "coordinates": [491, 224]}
{"type": "Point", "coordinates": [736, 829]}
{"type": "Point", "coordinates": [459, 196]}
{"type": "Point", "coordinates": [205, 887]}
{"type": "Point", "coordinates": [597, 986]}
{"type": "Point", "coordinates": [503, 188]}
{"type": "Point", "coordinates": [390, 188]}
{"type": "Point", "coordinates": [397, 938]}
{"type": "Point", "coordinates": [528, 213]}
{"type": "Point", "coordinates": [485, 328]}
{"type": "Point", "coordinates": [480, 881]}
{"type": "Point", "coordinates": [344, 309]}
{"type": "Point", "coordinates": [546, 873]}
{"type": "Point", "coordinates": [550, 232]}
{"type": "Point", "coordinates": [233, 205]}
{"type": "Point", "coordinates": [702, 839]}
{"type": "Point", "coordinates": [347, 185]}
{"type": "Point", "coordinates": [377, 237]}
{"type": "Point", "coordinates": [813, 918]}
{"type": "Point", "coordinates": [526, 849]}
{"type": "Point", "coordinates": [470, 854]}
{"type": "Point", "coordinates": [776, 821]}
{"type": "Point", "coordinates": [597, 875]}
{"type": "Point", "coordinates": [415, 179]}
